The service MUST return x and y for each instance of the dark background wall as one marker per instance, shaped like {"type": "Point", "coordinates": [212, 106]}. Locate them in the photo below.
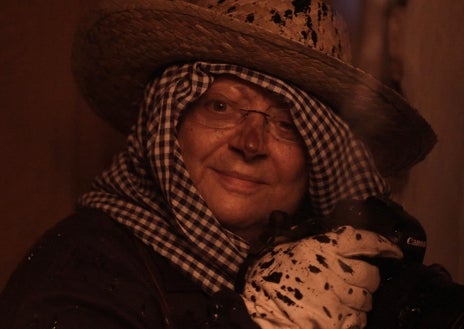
{"type": "Point", "coordinates": [52, 145]}
{"type": "Point", "coordinates": [430, 47]}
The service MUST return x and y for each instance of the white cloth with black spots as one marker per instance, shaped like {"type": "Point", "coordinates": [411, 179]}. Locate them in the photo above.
{"type": "Point", "coordinates": [318, 282]}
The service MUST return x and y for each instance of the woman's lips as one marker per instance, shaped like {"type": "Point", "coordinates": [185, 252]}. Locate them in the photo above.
{"type": "Point", "coordinates": [238, 182]}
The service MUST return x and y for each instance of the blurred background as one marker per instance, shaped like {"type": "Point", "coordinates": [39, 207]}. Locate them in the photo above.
{"type": "Point", "coordinates": [52, 145]}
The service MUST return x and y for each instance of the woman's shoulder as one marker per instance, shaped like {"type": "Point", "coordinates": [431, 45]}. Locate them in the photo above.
{"type": "Point", "coordinates": [82, 272]}
{"type": "Point", "coordinates": [86, 241]}
{"type": "Point", "coordinates": [89, 271]}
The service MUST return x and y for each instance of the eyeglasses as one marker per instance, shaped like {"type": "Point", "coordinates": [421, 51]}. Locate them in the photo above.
{"type": "Point", "coordinates": [221, 113]}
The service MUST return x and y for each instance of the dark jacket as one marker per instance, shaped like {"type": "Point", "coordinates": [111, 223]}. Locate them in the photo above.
{"type": "Point", "coordinates": [91, 272]}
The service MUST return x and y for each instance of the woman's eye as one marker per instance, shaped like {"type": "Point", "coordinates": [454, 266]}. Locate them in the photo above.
{"type": "Point", "coordinates": [287, 129]}
{"type": "Point", "coordinates": [286, 125]}
{"type": "Point", "coordinates": [219, 106]}
{"type": "Point", "coordinates": [216, 105]}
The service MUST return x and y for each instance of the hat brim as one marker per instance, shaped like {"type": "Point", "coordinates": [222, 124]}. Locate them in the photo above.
{"type": "Point", "coordinates": [121, 46]}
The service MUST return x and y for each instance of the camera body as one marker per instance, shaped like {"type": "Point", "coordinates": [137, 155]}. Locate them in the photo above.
{"type": "Point", "coordinates": [411, 295]}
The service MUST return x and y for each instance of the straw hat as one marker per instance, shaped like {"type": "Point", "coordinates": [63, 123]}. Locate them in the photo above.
{"type": "Point", "coordinates": [123, 44]}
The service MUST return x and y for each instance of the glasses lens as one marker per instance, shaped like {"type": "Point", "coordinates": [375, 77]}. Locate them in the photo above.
{"type": "Point", "coordinates": [217, 113]}
{"type": "Point", "coordinates": [221, 113]}
{"type": "Point", "coordinates": [283, 129]}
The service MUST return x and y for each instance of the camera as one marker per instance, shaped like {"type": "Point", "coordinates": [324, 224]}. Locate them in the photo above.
{"type": "Point", "coordinates": [411, 295]}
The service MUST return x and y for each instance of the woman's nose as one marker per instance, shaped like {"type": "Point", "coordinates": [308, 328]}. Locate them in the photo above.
{"type": "Point", "coordinates": [250, 137]}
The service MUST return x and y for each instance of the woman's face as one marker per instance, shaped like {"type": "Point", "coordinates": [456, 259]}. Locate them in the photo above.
{"type": "Point", "coordinates": [246, 169]}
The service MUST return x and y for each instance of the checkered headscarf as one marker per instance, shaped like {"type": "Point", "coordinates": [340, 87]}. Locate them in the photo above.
{"type": "Point", "coordinates": [149, 190]}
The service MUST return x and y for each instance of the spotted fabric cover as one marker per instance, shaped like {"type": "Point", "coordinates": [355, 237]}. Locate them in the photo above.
{"type": "Point", "coordinates": [148, 189]}
{"type": "Point", "coordinates": [318, 282]}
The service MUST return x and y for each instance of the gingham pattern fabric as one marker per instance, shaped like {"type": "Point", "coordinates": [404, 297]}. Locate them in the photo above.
{"type": "Point", "coordinates": [149, 190]}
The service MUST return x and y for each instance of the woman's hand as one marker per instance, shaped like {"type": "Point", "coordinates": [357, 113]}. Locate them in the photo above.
{"type": "Point", "coordinates": [321, 281]}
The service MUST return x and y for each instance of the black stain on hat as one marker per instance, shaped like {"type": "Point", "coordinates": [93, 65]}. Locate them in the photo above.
{"type": "Point", "coordinates": [301, 6]}
{"type": "Point", "coordinates": [325, 9]}
{"type": "Point", "coordinates": [288, 14]}
{"type": "Point", "coordinates": [231, 9]}
{"type": "Point", "coordinates": [309, 22]}
{"type": "Point", "coordinates": [314, 37]}
{"type": "Point", "coordinates": [276, 18]}
{"type": "Point", "coordinates": [305, 35]}
{"type": "Point", "coordinates": [250, 18]}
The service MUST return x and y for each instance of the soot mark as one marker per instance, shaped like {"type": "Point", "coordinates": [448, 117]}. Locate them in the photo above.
{"type": "Point", "coordinates": [327, 312]}
{"type": "Point", "coordinates": [285, 299]}
{"type": "Point", "coordinates": [345, 267]}
{"type": "Point", "coordinates": [314, 269]}
{"type": "Point", "coordinates": [266, 264]}
{"type": "Point", "coordinates": [322, 260]}
{"type": "Point", "coordinates": [273, 277]}
{"type": "Point", "coordinates": [322, 238]}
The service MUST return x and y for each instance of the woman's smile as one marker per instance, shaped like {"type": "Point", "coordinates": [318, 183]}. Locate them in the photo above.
{"type": "Point", "coordinates": [236, 182]}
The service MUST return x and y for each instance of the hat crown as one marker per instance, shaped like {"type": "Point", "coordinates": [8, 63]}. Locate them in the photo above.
{"type": "Point", "coordinates": [315, 24]}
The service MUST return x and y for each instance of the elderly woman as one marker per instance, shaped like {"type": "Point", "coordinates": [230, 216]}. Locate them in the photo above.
{"type": "Point", "coordinates": [250, 107]}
